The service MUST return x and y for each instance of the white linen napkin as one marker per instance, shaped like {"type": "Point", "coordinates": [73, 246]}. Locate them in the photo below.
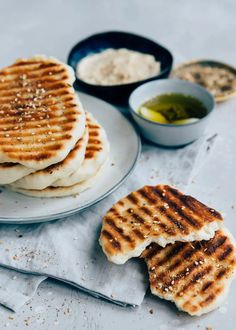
{"type": "Point", "coordinates": [68, 249]}
{"type": "Point", "coordinates": [16, 288]}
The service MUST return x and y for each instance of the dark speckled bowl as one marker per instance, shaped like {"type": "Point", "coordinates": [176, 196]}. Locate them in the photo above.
{"type": "Point", "coordinates": [114, 39]}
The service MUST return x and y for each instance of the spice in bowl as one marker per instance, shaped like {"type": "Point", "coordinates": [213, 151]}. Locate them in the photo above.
{"type": "Point", "coordinates": [218, 78]}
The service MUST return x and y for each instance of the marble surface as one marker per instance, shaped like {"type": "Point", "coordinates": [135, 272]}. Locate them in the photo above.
{"type": "Point", "coordinates": [190, 29]}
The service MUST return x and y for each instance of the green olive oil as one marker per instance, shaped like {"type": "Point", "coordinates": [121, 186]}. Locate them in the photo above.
{"type": "Point", "coordinates": [177, 109]}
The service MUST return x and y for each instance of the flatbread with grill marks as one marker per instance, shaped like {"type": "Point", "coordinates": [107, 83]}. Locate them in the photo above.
{"type": "Point", "coordinates": [195, 276]}
{"type": "Point", "coordinates": [41, 118]}
{"type": "Point", "coordinates": [43, 178]}
{"type": "Point", "coordinates": [159, 214]}
{"type": "Point", "coordinates": [97, 151]}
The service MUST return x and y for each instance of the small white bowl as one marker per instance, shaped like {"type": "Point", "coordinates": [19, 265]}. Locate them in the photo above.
{"type": "Point", "coordinates": [170, 135]}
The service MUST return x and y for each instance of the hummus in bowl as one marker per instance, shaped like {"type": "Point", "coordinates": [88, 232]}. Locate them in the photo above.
{"type": "Point", "coordinates": [112, 78]}
{"type": "Point", "coordinates": [117, 66]}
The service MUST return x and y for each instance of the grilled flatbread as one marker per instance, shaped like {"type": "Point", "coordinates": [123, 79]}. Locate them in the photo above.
{"type": "Point", "coordinates": [10, 172]}
{"type": "Point", "coordinates": [62, 191]}
{"type": "Point", "coordinates": [43, 178]}
{"type": "Point", "coordinates": [41, 118]}
{"type": "Point", "coordinates": [195, 276]}
{"type": "Point", "coordinates": [159, 214]}
{"type": "Point", "coordinates": [96, 154]}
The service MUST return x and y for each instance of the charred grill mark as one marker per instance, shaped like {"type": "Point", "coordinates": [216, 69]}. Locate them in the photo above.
{"type": "Point", "coordinates": [208, 300]}
{"type": "Point", "coordinates": [91, 126]}
{"type": "Point", "coordinates": [47, 65]}
{"type": "Point", "coordinates": [32, 150]}
{"type": "Point", "coordinates": [38, 63]}
{"type": "Point", "coordinates": [221, 273]}
{"type": "Point", "coordinates": [177, 208]}
{"type": "Point", "coordinates": [23, 63]}
{"type": "Point", "coordinates": [120, 231]}
{"type": "Point", "coordinates": [37, 124]}
{"type": "Point", "coordinates": [196, 206]}
{"type": "Point", "coordinates": [145, 193]}
{"type": "Point", "coordinates": [146, 210]}
{"type": "Point", "coordinates": [157, 277]}
{"type": "Point", "coordinates": [65, 98]}
{"type": "Point", "coordinates": [112, 211]}
{"type": "Point", "coordinates": [173, 221]}
{"type": "Point", "coordinates": [39, 157]}
{"type": "Point", "coordinates": [41, 133]}
{"type": "Point", "coordinates": [93, 148]}
{"type": "Point", "coordinates": [55, 126]}
{"type": "Point", "coordinates": [30, 108]}
{"type": "Point", "coordinates": [196, 277]}
{"type": "Point", "coordinates": [138, 234]}
{"type": "Point", "coordinates": [41, 90]}
{"type": "Point", "coordinates": [89, 155]}
{"type": "Point", "coordinates": [48, 85]}
{"type": "Point", "coordinates": [110, 238]}
{"type": "Point", "coordinates": [137, 218]}
{"type": "Point", "coordinates": [175, 265]}
{"type": "Point", "coordinates": [133, 198]}
{"type": "Point", "coordinates": [93, 134]}
{"type": "Point", "coordinates": [201, 209]}
{"type": "Point", "coordinates": [228, 249]}
{"type": "Point", "coordinates": [167, 229]}
{"type": "Point", "coordinates": [161, 275]}
{"type": "Point", "coordinates": [151, 252]}
{"type": "Point", "coordinates": [44, 73]}
{"type": "Point", "coordinates": [94, 141]}
{"type": "Point", "coordinates": [189, 253]}
{"type": "Point", "coordinates": [115, 214]}
{"type": "Point", "coordinates": [34, 73]}
{"type": "Point", "coordinates": [188, 306]}
{"type": "Point", "coordinates": [206, 286]}
{"type": "Point", "coordinates": [193, 205]}
{"type": "Point", "coordinates": [218, 290]}
{"type": "Point", "coordinates": [172, 253]}
{"type": "Point", "coordinates": [215, 243]}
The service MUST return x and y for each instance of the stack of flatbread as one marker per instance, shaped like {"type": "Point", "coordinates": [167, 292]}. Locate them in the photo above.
{"type": "Point", "coordinates": [49, 146]}
{"type": "Point", "coordinates": [190, 255]}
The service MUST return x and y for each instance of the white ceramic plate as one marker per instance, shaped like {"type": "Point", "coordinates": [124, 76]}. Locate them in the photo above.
{"type": "Point", "coordinates": [125, 149]}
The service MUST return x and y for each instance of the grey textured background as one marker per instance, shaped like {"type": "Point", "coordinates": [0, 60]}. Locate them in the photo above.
{"type": "Point", "coordinates": [190, 29]}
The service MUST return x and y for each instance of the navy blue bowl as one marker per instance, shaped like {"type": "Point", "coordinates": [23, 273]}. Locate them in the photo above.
{"type": "Point", "coordinates": [115, 39]}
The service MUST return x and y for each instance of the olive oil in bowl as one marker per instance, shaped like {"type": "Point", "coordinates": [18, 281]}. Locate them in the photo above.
{"type": "Point", "coordinates": [173, 108]}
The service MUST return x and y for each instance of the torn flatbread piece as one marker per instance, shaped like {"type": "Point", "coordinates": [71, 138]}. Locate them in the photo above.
{"type": "Point", "coordinates": [195, 276]}
{"type": "Point", "coordinates": [159, 214]}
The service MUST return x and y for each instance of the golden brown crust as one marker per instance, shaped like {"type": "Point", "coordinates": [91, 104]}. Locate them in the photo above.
{"type": "Point", "coordinates": [39, 111]}
{"type": "Point", "coordinates": [193, 275]}
{"type": "Point", "coordinates": [94, 142]}
{"type": "Point", "coordinates": [159, 211]}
